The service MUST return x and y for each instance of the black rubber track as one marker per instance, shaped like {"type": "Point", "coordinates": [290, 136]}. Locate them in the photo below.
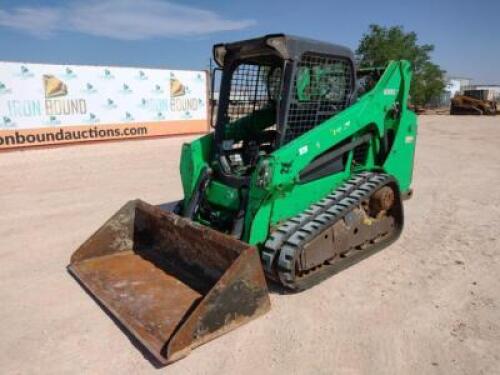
{"type": "Point", "coordinates": [345, 199]}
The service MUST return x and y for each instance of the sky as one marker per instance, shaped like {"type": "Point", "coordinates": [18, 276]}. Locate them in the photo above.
{"type": "Point", "coordinates": [179, 34]}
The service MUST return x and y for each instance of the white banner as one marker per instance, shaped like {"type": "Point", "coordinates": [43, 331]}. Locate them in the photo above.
{"type": "Point", "coordinates": [34, 96]}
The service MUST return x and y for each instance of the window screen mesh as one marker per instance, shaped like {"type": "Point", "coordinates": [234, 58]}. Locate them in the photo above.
{"type": "Point", "coordinates": [253, 87]}
{"type": "Point", "coordinates": [321, 88]}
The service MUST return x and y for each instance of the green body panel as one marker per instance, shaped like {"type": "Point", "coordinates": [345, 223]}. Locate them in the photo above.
{"type": "Point", "coordinates": [223, 196]}
{"type": "Point", "coordinates": [255, 232]}
{"type": "Point", "coordinates": [284, 195]}
{"type": "Point", "coordinates": [403, 149]}
{"type": "Point", "coordinates": [301, 196]}
{"type": "Point", "coordinates": [195, 156]}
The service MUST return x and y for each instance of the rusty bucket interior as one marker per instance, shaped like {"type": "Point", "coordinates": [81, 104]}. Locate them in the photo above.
{"type": "Point", "coordinates": [172, 283]}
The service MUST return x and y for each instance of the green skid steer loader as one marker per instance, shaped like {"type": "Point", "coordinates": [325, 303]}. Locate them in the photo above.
{"type": "Point", "coordinates": [304, 174]}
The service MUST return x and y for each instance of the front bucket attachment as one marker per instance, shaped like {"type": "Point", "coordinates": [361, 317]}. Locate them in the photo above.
{"type": "Point", "coordinates": [172, 283]}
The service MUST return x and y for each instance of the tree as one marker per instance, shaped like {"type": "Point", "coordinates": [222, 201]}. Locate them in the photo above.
{"type": "Point", "coordinates": [382, 44]}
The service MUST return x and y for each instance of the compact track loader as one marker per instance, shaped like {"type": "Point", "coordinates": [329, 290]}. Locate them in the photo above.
{"type": "Point", "coordinates": [304, 175]}
{"type": "Point", "coordinates": [474, 102]}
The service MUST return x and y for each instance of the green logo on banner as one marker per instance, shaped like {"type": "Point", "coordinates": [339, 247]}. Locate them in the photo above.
{"type": "Point", "coordinates": [157, 90]}
{"type": "Point", "coordinates": [4, 89]}
{"type": "Point", "coordinates": [89, 89]}
{"type": "Point", "coordinates": [92, 119]}
{"type": "Point", "coordinates": [141, 76]}
{"type": "Point", "coordinates": [24, 72]}
{"type": "Point", "coordinates": [128, 117]}
{"type": "Point", "coordinates": [7, 122]}
{"type": "Point", "coordinates": [68, 73]}
{"type": "Point", "coordinates": [110, 104]}
{"type": "Point", "coordinates": [126, 89]}
{"type": "Point", "coordinates": [108, 74]}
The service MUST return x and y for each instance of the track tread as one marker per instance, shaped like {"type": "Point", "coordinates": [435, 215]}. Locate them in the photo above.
{"type": "Point", "coordinates": [280, 252]}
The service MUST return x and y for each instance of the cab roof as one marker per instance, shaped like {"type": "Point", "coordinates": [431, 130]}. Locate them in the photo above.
{"type": "Point", "coordinates": [290, 47]}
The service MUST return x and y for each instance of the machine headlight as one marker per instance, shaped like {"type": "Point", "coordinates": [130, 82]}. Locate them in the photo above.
{"type": "Point", "coordinates": [264, 174]}
{"type": "Point", "coordinates": [278, 43]}
{"type": "Point", "coordinates": [219, 54]}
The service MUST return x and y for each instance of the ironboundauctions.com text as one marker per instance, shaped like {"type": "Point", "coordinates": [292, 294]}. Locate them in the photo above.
{"type": "Point", "coordinates": [63, 135]}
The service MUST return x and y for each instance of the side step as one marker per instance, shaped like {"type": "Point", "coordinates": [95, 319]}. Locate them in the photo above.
{"type": "Point", "coordinates": [172, 283]}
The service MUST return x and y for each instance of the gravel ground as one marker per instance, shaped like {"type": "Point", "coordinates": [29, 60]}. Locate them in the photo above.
{"type": "Point", "coordinates": [429, 304]}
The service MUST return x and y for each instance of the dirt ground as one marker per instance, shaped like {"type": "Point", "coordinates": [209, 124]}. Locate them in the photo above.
{"type": "Point", "coordinates": [429, 304]}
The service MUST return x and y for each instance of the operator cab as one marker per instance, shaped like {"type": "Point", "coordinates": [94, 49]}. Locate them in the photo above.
{"type": "Point", "coordinates": [274, 89]}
